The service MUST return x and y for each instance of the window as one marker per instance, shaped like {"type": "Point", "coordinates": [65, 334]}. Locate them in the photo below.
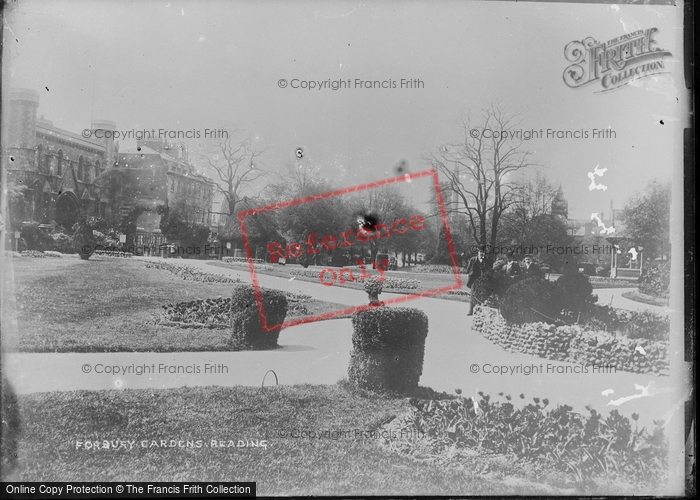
{"type": "Point", "coordinates": [59, 170]}
{"type": "Point", "coordinates": [172, 185]}
{"type": "Point", "coordinates": [39, 156]}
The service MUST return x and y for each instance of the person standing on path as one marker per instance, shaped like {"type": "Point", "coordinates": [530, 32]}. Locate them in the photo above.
{"type": "Point", "coordinates": [475, 268]}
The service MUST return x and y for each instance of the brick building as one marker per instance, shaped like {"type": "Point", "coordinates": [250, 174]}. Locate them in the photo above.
{"type": "Point", "coordinates": [164, 176]}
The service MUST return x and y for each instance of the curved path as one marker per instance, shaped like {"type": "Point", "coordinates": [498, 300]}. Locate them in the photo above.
{"type": "Point", "coordinates": [318, 353]}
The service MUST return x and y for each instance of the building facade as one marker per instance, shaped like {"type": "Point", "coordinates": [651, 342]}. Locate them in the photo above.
{"type": "Point", "coordinates": [162, 175]}
{"type": "Point", "coordinates": [62, 174]}
{"type": "Point", "coordinates": [58, 168]}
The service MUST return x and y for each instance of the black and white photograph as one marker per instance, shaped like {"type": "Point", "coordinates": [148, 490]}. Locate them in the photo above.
{"type": "Point", "coordinates": [354, 249]}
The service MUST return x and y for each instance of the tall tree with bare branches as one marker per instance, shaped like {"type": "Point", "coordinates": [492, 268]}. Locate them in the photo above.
{"type": "Point", "coordinates": [479, 170]}
{"type": "Point", "coordinates": [234, 162]}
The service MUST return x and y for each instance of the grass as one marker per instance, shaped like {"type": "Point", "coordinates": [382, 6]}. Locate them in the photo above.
{"type": "Point", "coordinates": [53, 423]}
{"type": "Point", "coordinates": [108, 305]}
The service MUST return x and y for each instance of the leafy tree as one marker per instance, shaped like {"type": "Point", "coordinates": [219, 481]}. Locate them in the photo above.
{"type": "Point", "coordinates": [322, 216]}
{"type": "Point", "coordinates": [647, 219]}
{"type": "Point", "coordinates": [175, 228]}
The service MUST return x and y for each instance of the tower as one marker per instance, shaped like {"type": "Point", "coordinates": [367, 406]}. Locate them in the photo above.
{"type": "Point", "coordinates": [22, 133]}
{"type": "Point", "coordinates": [105, 135]}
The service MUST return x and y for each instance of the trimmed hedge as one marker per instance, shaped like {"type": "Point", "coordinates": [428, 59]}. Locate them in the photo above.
{"type": "Point", "coordinates": [573, 344]}
{"type": "Point", "coordinates": [490, 287]}
{"type": "Point", "coordinates": [247, 333]}
{"type": "Point", "coordinates": [576, 290]}
{"type": "Point", "coordinates": [388, 348]}
{"type": "Point", "coordinates": [531, 300]}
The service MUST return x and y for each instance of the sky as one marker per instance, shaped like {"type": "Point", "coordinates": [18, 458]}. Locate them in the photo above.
{"type": "Point", "coordinates": [191, 66]}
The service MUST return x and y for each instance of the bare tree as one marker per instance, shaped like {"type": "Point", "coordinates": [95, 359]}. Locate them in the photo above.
{"type": "Point", "coordinates": [479, 169]}
{"type": "Point", "coordinates": [233, 160]}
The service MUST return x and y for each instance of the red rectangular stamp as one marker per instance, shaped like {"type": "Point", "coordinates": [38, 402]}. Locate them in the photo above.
{"type": "Point", "coordinates": [315, 243]}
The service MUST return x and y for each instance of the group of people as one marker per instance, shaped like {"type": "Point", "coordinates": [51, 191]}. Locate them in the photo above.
{"type": "Point", "coordinates": [509, 267]}
{"type": "Point", "coordinates": [513, 269]}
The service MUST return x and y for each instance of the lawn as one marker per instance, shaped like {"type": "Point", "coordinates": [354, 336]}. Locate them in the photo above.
{"type": "Point", "coordinates": [52, 424]}
{"type": "Point", "coordinates": [109, 305]}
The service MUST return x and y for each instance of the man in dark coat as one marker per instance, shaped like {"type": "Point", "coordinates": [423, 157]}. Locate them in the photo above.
{"type": "Point", "coordinates": [530, 269]}
{"type": "Point", "coordinates": [475, 268]}
{"type": "Point", "coordinates": [512, 269]}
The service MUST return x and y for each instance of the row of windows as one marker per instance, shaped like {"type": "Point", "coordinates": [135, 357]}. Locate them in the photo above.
{"type": "Point", "coordinates": [86, 172]}
{"type": "Point", "coordinates": [198, 215]}
{"type": "Point", "coordinates": [190, 189]}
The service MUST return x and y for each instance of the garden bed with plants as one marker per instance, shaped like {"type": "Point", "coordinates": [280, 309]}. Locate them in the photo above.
{"type": "Point", "coordinates": [574, 343]}
{"type": "Point", "coordinates": [37, 254]}
{"type": "Point", "coordinates": [560, 321]}
{"type": "Point", "coordinates": [216, 313]}
{"type": "Point", "coordinates": [190, 273]}
{"type": "Point", "coordinates": [388, 282]}
{"type": "Point", "coordinates": [437, 269]}
{"type": "Point", "coordinates": [548, 442]}
{"type": "Point", "coordinates": [243, 264]}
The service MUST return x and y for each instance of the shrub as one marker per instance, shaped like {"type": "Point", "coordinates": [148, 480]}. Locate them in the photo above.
{"type": "Point", "coordinates": [656, 281]}
{"type": "Point", "coordinates": [35, 239]}
{"type": "Point", "coordinates": [489, 288]}
{"type": "Point", "coordinates": [602, 272]}
{"type": "Point", "coordinates": [531, 300]}
{"type": "Point", "coordinates": [388, 348]}
{"type": "Point", "coordinates": [247, 331]}
{"type": "Point", "coordinates": [576, 291]}
{"type": "Point", "coordinates": [62, 243]}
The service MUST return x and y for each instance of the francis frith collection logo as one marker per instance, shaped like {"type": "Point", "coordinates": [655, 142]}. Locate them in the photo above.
{"type": "Point", "coordinates": [616, 62]}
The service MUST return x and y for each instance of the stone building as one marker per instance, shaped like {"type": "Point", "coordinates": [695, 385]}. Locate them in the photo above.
{"type": "Point", "coordinates": [58, 167]}
{"type": "Point", "coordinates": [65, 173]}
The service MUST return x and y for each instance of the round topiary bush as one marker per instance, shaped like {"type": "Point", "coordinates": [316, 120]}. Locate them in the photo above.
{"type": "Point", "coordinates": [490, 287]}
{"type": "Point", "coordinates": [388, 347]}
{"type": "Point", "coordinates": [530, 301]}
{"type": "Point", "coordinates": [576, 291]}
{"type": "Point", "coordinates": [247, 331]}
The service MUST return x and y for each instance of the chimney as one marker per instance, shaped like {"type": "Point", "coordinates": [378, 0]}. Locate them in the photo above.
{"type": "Point", "coordinates": [612, 214]}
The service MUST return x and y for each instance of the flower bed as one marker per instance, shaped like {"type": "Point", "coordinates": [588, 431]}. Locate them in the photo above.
{"type": "Point", "coordinates": [583, 446]}
{"type": "Point", "coordinates": [573, 344]}
{"type": "Point", "coordinates": [437, 269]}
{"type": "Point", "coordinates": [258, 264]}
{"type": "Point", "coordinates": [189, 273]}
{"type": "Point", "coordinates": [388, 282]}
{"type": "Point", "coordinates": [113, 253]}
{"type": "Point", "coordinates": [36, 254]}
{"type": "Point", "coordinates": [215, 313]}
